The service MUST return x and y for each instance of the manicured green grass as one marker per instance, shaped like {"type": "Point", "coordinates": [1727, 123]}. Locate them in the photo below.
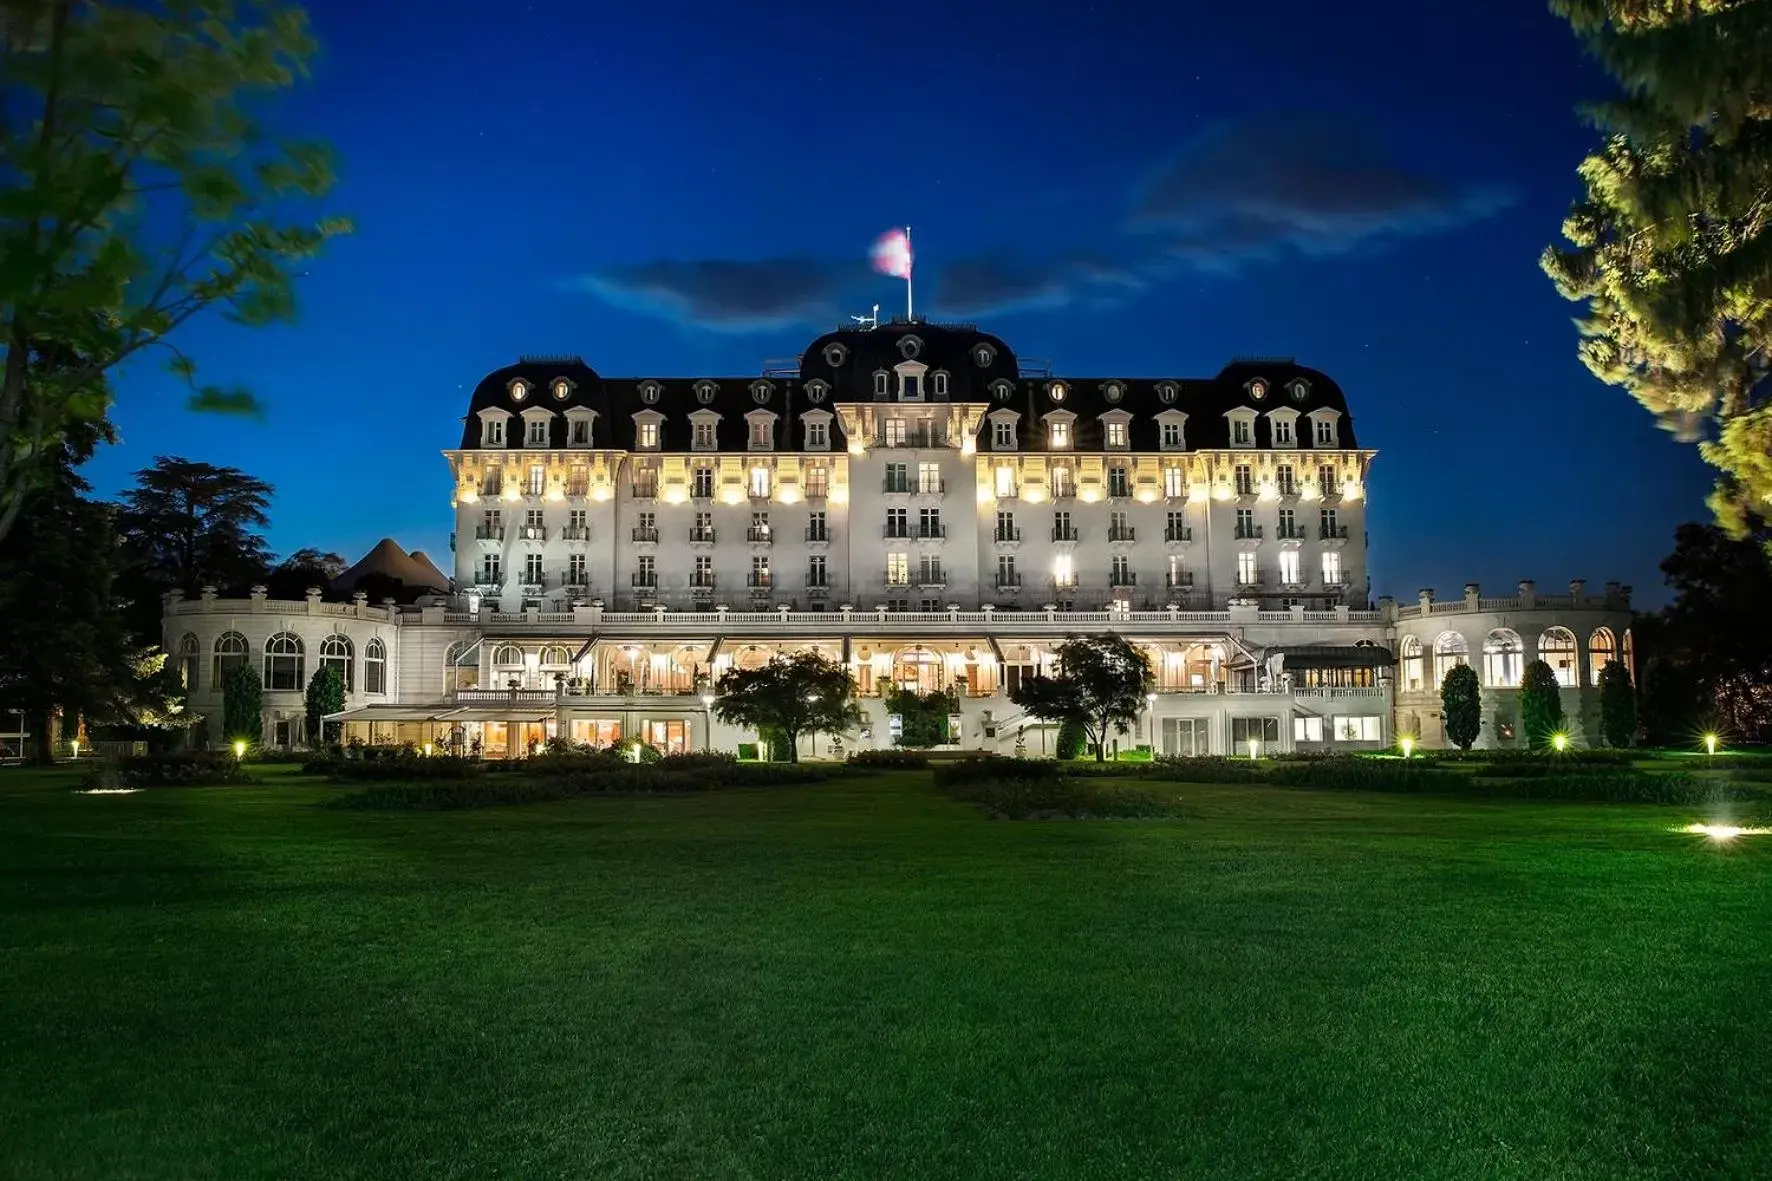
{"type": "Point", "coordinates": [866, 979]}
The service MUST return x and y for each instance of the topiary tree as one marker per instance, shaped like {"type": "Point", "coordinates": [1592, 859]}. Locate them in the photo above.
{"type": "Point", "coordinates": [1618, 705]}
{"type": "Point", "coordinates": [1461, 706]}
{"type": "Point", "coordinates": [1071, 740]}
{"type": "Point", "coordinates": [243, 705]}
{"type": "Point", "coordinates": [326, 695]}
{"type": "Point", "coordinates": [1541, 705]}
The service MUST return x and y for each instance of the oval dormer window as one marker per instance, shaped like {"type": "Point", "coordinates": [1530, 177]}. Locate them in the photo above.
{"type": "Point", "coordinates": [760, 393]}
{"type": "Point", "coordinates": [815, 391]}
{"type": "Point", "coordinates": [835, 355]}
{"type": "Point", "coordinates": [1301, 390]}
{"type": "Point", "coordinates": [1004, 389]}
{"type": "Point", "coordinates": [1166, 393]}
{"type": "Point", "coordinates": [1258, 389]}
{"type": "Point", "coordinates": [562, 388]}
{"type": "Point", "coordinates": [1057, 391]}
{"type": "Point", "coordinates": [649, 392]}
{"type": "Point", "coordinates": [984, 354]}
{"type": "Point", "coordinates": [519, 390]}
{"type": "Point", "coordinates": [704, 392]}
{"type": "Point", "coordinates": [1113, 392]}
{"type": "Point", "coordinates": [909, 347]}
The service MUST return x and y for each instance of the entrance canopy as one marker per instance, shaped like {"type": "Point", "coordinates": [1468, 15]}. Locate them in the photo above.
{"type": "Point", "coordinates": [1330, 656]}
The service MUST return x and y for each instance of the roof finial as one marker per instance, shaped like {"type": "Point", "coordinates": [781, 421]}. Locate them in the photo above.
{"type": "Point", "coordinates": [869, 321]}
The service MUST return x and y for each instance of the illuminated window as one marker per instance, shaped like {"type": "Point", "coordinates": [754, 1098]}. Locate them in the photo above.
{"type": "Point", "coordinates": [1288, 567]}
{"type": "Point", "coordinates": [1058, 435]}
{"type": "Point", "coordinates": [760, 482]}
{"type": "Point", "coordinates": [1332, 568]}
{"type": "Point", "coordinates": [1504, 659]}
{"type": "Point", "coordinates": [1286, 480]}
{"type": "Point", "coordinates": [1556, 647]}
{"type": "Point", "coordinates": [1172, 436]}
{"type": "Point", "coordinates": [762, 434]}
{"type": "Point", "coordinates": [1174, 482]}
{"type": "Point", "coordinates": [893, 432]}
{"type": "Point", "coordinates": [818, 435]}
{"type": "Point", "coordinates": [1601, 647]}
{"type": "Point", "coordinates": [537, 481]}
{"type": "Point", "coordinates": [189, 650]}
{"type": "Point", "coordinates": [1116, 434]}
{"type": "Point", "coordinates": [701, 485]}
{"type": "Point", "coordinates": [1413, 673]}
{"type": "Point", "coordinates": [375, 667]}
{"type": "Point", "coordinates": [1244, 478]}
{"type": "Point", "coordinates": [336, 654]}
{"type": "Point", "coordinates": [1062, 572]}
{"type": "Point", "coordinates": [898, 569]}
{"type": "Point", "coordinates": [1247, 573]}
{"type": "Point", "coordinates": [1005, 482]}
{"type": "Point", "coordinates": [283, 663]}
{"type": "Point", "coordinates": [1450, 651]}
{"type": "Point", "coordinates": [1326, 480]}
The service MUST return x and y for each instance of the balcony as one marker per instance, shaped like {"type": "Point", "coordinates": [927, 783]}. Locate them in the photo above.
{"type": "Point", "coordinates": [1248, 533]}
{"type": "Point", "coordinates": [1245, 488]}
{"type": "Point", "coordinates": [818, 491]}
{"type": "Point", "coordinates": [489, 581]}
{"type": "Point", "coordinates": [1122, 533]}
{"type": "Point", "coordinates": [576, 533]}
{"type": "Point", "coordinates": [643, 581]}
{"type": "Point", "coordinates": [700, 491]}
{"type": "Point", "coordinates": [575, 586]}
{"type": "Point", "coordinates": [490, 532]}
{"type": "Point", "coordinates": [897, 533]}
{"type": "Point", "coordinates": [645, 533]}
{"type": "Point", "coordinates": [920, 438]}
{"type": "Point", "coordinates": [818, 537]}
{"type": "Point", "coordinates": [818, 590]}
{"type": "Point", "coordinates": [1119, 491]}
{"type": "Point", "coordinates": [931, 487]}
{"type": "Point", "coordinates": [760, 536]}
{"type": "Point", "coordinates": [756, 580]}
{"type": "Point", "coordinates": [576, 489]}
{"type": "Point", "coordinates": [1182, 581]}
{"type": "Point", "coordinates": [1333, 533]}
{"type": "Point", "coordinates": [932, 578]}
{"type": "Point", "coordinates": [1295, 533]}
{"type": "Point", "coordinates": [897, 578]}
{"type": "Point", "coordinates": [702, 536]}
{"type": "Point", "coordinates": [1286, 488]}
{"type": "Point", "coordinates": [1123, 578]}
{"type": "Point", "coordinates": [1008, 536]}
{"type": "Point", "coordinates": [492, 489]}
{"type": "Point", "coordinates": [1178, 533]}
{"type": "Point", "coordinates": [644, 491]}
{"type": "Point", "coordinates": [895, 487]}
{"type": "Point", "coordinates": [932, 532]}
{"type": "Point", "coordinates": [1064, 533]}
{"type": "Point", "coordinates": [1064, 491]}
{"type": "Point", "coordinates": [1008, 582]}
{"type": "Point", "coordinates": [701, 582]}
{"type": "Point", "coordinates": [533, 532]}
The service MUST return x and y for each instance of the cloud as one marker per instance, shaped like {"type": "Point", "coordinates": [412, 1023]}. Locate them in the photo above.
{"type": "Point", "coordinates": [1311, 184]}
{"type": "Point", "coordinates": [726, 295]}
{"type": "Point", "coordinates": [996, 284]}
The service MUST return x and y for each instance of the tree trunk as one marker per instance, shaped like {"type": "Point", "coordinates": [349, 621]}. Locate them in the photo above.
{"type": "Point", "coordinates": [44, 754]}
{"type": "Point", "coordinates": [792, 738]}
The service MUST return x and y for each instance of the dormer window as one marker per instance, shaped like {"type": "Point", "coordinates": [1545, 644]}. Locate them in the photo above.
{"type": "Point", "coordinates": [705, 391]}
{"type": "Point", "coordinates": [1325, 432]}
{"type": "Point", "coordinates": [910, 387]}
{"type": "Point", "coordinates": [1003, 389]}
{"type": "Point", "coordinates": [909, 347]}
{"type": "Point", "coordinates": [1283, 432]}
{"type": "Point", "coordinates": [1171, 430]}
{"type": "Point", "coordinates": [1057, 391]}
{"type": "Point", "coordinates": [562, 389]}
{"type": "Point", "coordinates": [535, 433]}
{"type": "Point", "coordinates": [649, 392]}
{"type": "Point", "coordinates": [492, 433]}
{"type": "Point", "coordinates": [817, 427]}
{"type": "Point", "coordinates": [1258, 389]}
{"type": "Point", "coordinates": [1242, 432]}
{"type": "Point", "coordinates": [983, 355]}
{"type": "Point", "coordinates": [941, 385]}
{"type": "Point", "coordinates": [578, 433]}
{"type": "Point", "coordinates": [702, 437]}
{"type": "Point", "coordinates": [1171, 436]}
{"type": "Point", "coordinates": [1166, 392]}
{"type": "Point", "coordinates": [880, 383]}
{"type": "Point", "coordinates": [1060, 434]}
{"type": "Point", "coordinates": [1114, 436]}
{"type": "Point", "coordinates": [760, 392]}
{"type": "Point", "coordinates": [1301, 389]}
{"type": "Point", "coordinates": [835, 355]}
{"type": "Point", "coordinates": [761, 433]}
{"type": "Point", "coordinates": [1113, 391]}
{"type": "Point", "coordinates": [816, 391]}
{"type": "Point", "coordinates": [1003, 429]}
{"type": "Point", "coordinates": [646, 436]}
{"type": "Point", "coordinates": [519, 390]}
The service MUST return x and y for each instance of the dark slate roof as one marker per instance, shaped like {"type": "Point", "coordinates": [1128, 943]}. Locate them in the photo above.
{"type": "Point", "coordinates": [840, 366]}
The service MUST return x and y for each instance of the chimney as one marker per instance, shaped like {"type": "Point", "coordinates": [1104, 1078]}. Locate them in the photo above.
{"type": "Point", "coordinates": [1425, 596]}
{"type": "Point", "coordinates": [1472, 594]}
{"type": "Point", "coordinates": [1576, 587]}
{"type": "Point", "coordinates": [257, 592]}
{"type": "Point", "coordinates": [209, 594]}
{"type": "Point", "coordinates": [1527, 599]}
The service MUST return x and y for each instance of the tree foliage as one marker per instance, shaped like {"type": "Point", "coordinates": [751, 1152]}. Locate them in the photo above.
{"type": "Point", "coordinates": [293, 576]}
{"type": "Point", "coordinates": [1671, 248]}
{"type": "Point", "coordinates": [325, 695]}
{"type": "Point", "coordinates": [1461, 706]}
{"type": "Point", "coordinates": [1541, 705]}
{"type": "Point", "coordinates": [243, 705]}
{"type": "Point", "coordinates": [187, 525]}
{"type": "Point", "coordinates": [800, 694]}
{"type": "Point", "coordinates": [923, 717]}
{"type": "Point", "coordinates": [1618, 705]}
{"type": "Point", "coordinates": [140, 190]}
{"type": "Point", "coordinates": [1101, 685]}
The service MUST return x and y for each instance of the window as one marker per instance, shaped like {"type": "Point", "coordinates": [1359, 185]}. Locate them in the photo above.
{"type": "Point", "coordinates": [1063, 573]}
{"type": "Point", "coordinates": [1307, 729]}
{"type": "Point", "coordinates": [762, 433]}
{"type": "Point", "coordinates": [532, 575]}
{"type": "Point", "coordinates": [1058, 435]}
{"type": "Point", "coordinates": [536, 433]}
{"type": "Point", "coordinates": [929, 571]}
{"type": "Point", "coordinates": [1246, 524]}
{"type": "Point", "coordinates": [1556, 647]}
{"type": "Point", "coordinates": [537, 480]}
{"type": "Point", "coordinates": [1062, 529]}
{"type": "Point", "coordinates": [897, 524]}
{"type": "Point", "coordinates": [1332, 568]}
{"type": "Point", "coordinates": [375, 667]}
{"type": "Point", "coordinates": [929, 478]}
{"type": "Point", "coordinates": [1116, 435]}
{"type": "Point", "coordinates": [1358, 728]}
{"type": "Point", "coordinates": [1289, 568]}
{"type": "Point", "coordinates": [1003, 435]}
{"type": "Point", "coordinates": [189, 653]}
{"type": "Point", "coordinates": [1450, 651]}
{"type": "Point", "coordinates": [645, 480]}
{"type": "Point", "coordinates": [461, 666]}
{"type": "Point", "coordinates": [818, 434]}
{"type": "Point", "coordinates": [491, 572]}
{"type": "Point", "coordinates": [1410, 650]}
{"type": "Point", "coordinates": [493, 482]}
{"type": "Point", "coordinates": [336, 654]}
{"type": "Point", "coordinates": [910, 387]}
{"type": "Point", "coordinates": [1119, 481]}
{"type": "Point", "coordinates": [1282, 432]}
{"type": "Point", "coordinates": [818, 482]}
{"type": "Point", "coordinates": [1177, 576]}
{"type": "Point", "coordinates": [815, 526]}
{"type": "Point", "coordinates": [815, 571]}
{"type": "Point", "coordinates": [1328, 525]}
{"type": "Point", "coordinates": [646, 573]}
{"type": "Point", "coordinates": [898, 477]}
{"type": "Point", "coordinates": [760, 482]}
{"type": "Point", "coordinates": [1247, 574]}
{"type": "Point", "coordinates": [702, 437]}
{"type": "Point", "coordinates": [1006, 575]}
{"type": "Point", "coordinates": [760, 527]}
{"type": "Point", "coordinates": [495, 432]}
{"type": "Point", "coordinates": [1062, 484]}
{"type": "Point", "coordinates": [578, 432]}
{"type": "Point", "coordinates": [1118, 529]}
{"type": "Point", "coordinates": [575, 570]}
{"type": "Point", "coordinates": [1174, 482]}
{"type": "Point", "coordinates": [1325, 432]}
{"type": "Point", "coordinates": [1171, 436]}
{"type": "Point", "coordinates": [1006, 530]}
{"type": "Point", "coordinates": [1005, 482]}
{"type": "Point", "coordinates": [230, 654]}
{"type": "Point", "coordinates": [1289, 524]}
{"type": "Point", "coordinates": [759, 570]}
{"type": "Point", "coordinates": [705, 391]}
{"type": "Point", "coordinates": [898, 569]}
{"type": "Point", "coordinates": [1120, 571]}
{"type": "Point", "coordinates": [1175, 528]}
{"type": "Point", "coordinates": [1242, 432]}
{"type": "Point", "coordinates": [880, 380]}
{"type": "Point", "coordinates": [704, 572]}
{"type": "Point", "coordinates": [929, 523]}
{"type": "Point", "coordinates": [1504, 659]}
{"type": "Point", "coordinates": [1286, 480]}
{"type": "Point", "coordinates": [283, 663]}
{"type": "Point", "coordinates": [1326, 480]}
{"type": "Point", "coordinates": [702, 483]}
{"type": "Point", "coordinates": [941, 385]}
{"type": "Point", "coordinates": [578, 480]}
{"type": "Point", "coordinates": [646, 436]}
{"type": "Point", "coordinates": [1247, 730]}
{"type": "Point", "coordinates": [1601, 647]}
{"type": "Point", "coordinates": [1245, 480]}
{"type": "Point", "coordinates": [893, 432]}
{"type": "Point", "coordinates": [533, 529]}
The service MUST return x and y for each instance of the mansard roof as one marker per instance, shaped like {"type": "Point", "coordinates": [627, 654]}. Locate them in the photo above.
{"type": "Point", "coordinates": [839, 367]}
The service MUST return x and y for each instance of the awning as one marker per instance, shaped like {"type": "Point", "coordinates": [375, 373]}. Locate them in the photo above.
{"type": "Point", "coordinates": [590, 642]}
{"type": "Point", "coordinates": [995, 649]}
{"type": "Point", "coordinates": [1331, 656]}
{"type": "Point", "coordinates": [395, 713]}
{"type": "Point", "coordinates": [520, 713]}
{"type": "Point", "coordinates": [714, 648]}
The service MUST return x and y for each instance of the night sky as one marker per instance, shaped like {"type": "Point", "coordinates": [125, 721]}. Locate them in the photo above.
{"type": "Point", "coordinates": [1124, 189]}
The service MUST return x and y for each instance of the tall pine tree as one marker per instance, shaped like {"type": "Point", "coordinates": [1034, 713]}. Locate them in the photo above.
{"type": "Point", "coordinates": [1672, 244]}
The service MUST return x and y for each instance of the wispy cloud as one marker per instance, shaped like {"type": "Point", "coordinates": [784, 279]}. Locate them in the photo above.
{"type": "Point", "coordinates": [726, 295]}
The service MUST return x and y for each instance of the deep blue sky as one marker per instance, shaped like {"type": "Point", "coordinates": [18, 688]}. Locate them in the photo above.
{"type": "Point", "coordinates": [1125, 188]}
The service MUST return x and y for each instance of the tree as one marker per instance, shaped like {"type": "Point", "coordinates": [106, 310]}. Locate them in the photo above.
{"type": "Point", "coordinates": [1672, 244]}
{"type": "Point", "coordinates": [187, 525]}
{"type": "Point", "coordinates": [243, 705]}
{"type": "Point", "coordinates": [1541, 705]}
{"type": "Point", "coordinates": [1461, 706]}
{"type": "Point", "coordinates": [66, 650]}
{"type": "Point", "coordinates": [923, 717]}
{"type": "Point", "coordinates": [800, 694]}
{"type": "Point", "coordinates": [1618, 705]}
{"type": "Point", "coordinates": [303, 569]}
{"type": "Point", "coordinates": [139, 191]}
{"type": "Point", "coordinates": [1101, 685]}
{"type": "Point", "coordinates": [326, 695]}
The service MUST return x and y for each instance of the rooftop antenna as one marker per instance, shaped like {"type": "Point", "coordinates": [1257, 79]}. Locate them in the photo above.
{"type": "Point", "coordinates": [870, 321]}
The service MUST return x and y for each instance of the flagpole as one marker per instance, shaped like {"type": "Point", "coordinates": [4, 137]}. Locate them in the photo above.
{"type": "Point", "coordinates": [909, 266]}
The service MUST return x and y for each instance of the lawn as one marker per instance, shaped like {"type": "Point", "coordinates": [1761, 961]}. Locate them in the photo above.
{"type": "Point", "coordinates": [866, 979]}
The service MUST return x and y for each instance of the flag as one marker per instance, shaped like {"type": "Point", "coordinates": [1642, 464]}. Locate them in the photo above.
{"type": "Point", "coordinates": [892, 254]}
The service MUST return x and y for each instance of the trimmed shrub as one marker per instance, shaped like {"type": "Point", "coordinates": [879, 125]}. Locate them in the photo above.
{"type": "Point", "coordinates": [903, 760]}
{"type": "Point", "coordinates": [1210, 769]}
{"type": "Point", "coordinates": [1507, 760]}
{"type": "Point", "coordinates": [1461, 705]}
{"type": "Point", "coordinates": [1541, 705]}
{"type": "Point", "coordinates": [189, 768]}
{"type": "Point", "coordinates": [243, 705]}
{"type": "Point", "coordinates": [1618, 705]}
{"type": "Point", "coordinates": [1071, 742]}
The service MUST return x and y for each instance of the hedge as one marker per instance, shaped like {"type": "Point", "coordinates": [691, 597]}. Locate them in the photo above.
{"type": "Point", "coordinates": [189, 768]}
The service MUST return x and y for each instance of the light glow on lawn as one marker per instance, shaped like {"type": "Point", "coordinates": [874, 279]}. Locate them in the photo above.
{"type": "Point", "coordinates": [110, 791]}
{"type": "Point", "coordinates": [1724, 832]}
{"type": "Point", "coordinates": [1710, 744]}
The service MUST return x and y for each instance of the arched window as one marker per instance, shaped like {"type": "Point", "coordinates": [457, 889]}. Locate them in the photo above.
{"type": "Point", "coordinates": [375, 667]}
{"type": "Point", "coordinates": [230, 654]}
{"type": "Point", "coordinates": [918, 670]}
{"type": "Point", "coordinates": [336, 653]}
{"type": "Point", "coordinates": [556, 660]}
{"type": "Point", "coordinates": [1556, 647]}
{"type": "Point", "coordinates": [190, 652]}
{"type": "Point", "coordinates": [1450, 651]}
{"type": "Point", "coordinates": [461, 667]}
{"type": "Point", "coordinates": [1504, 659]}
{"type": "Point", "coordinates": [1627, 659]}
{"type": "Point", "coordinates": [283, 662]}
{"type": "Point", "coordinates": [1414, 675]}
{"type": "Point", "coordinates": [507, 666]}
{"type": "Point", "coordinates": [1601, 647]}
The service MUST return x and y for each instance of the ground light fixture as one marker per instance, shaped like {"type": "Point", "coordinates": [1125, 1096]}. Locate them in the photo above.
{"type": "Point", "coordinates": [1255, 748]}
{"type": "Point", "coordinates": [74, 749]}
{"type": "Point", "coordinates": [427, 750]}
{"type": "Point", "coordinates": [1559, 742]}
{"type": "Point", "coordinates": [1407, 744]}
{"type": "Point", "coordinates": [239, 749]}
{"type": "Point", "coordinates": [1724, 832]}
{"type": "Point", "coordinates": [1710, 744]}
